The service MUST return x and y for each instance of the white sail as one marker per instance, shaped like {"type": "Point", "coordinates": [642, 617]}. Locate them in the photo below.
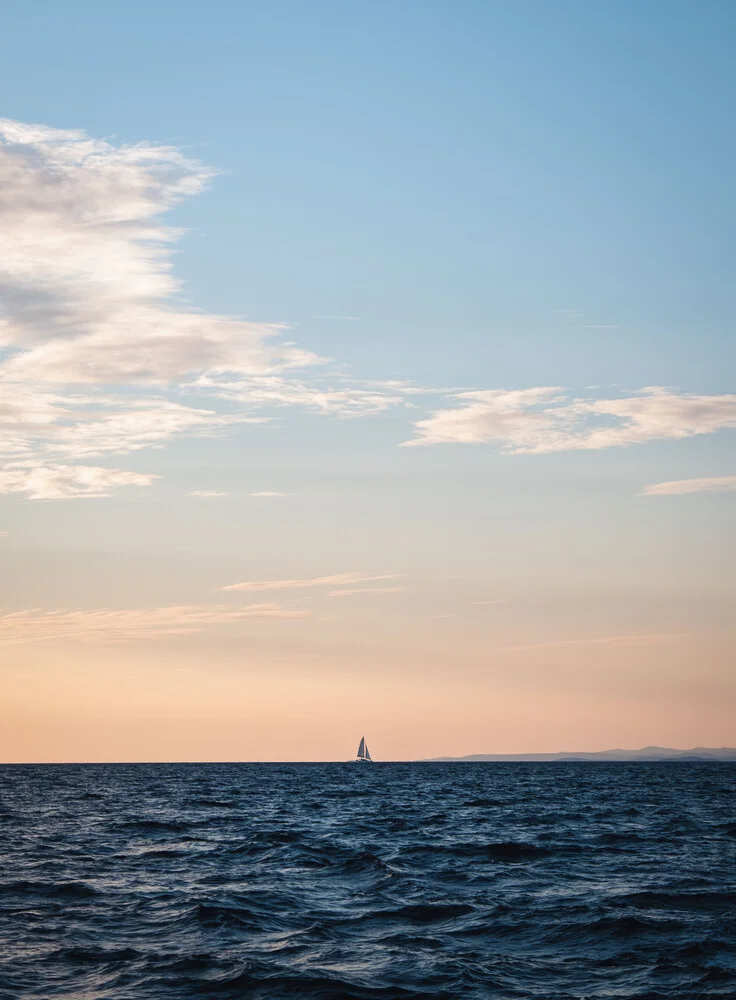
{"type": "Point", "coordinates": [363, 751]}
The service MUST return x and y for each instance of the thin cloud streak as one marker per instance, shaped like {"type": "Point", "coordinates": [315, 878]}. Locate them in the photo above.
{"type": "Point", "coordinates": [607, 640]}
{"type": "Point", "coordinates": [366, 590]}
{"type": "Point", "coordinates": [317, 581]}
{"type": "Point", "coordinates": [109, 625]}
{"type": "Point", "coordinates": [678, 487]}
{"type": "Point", "coordinates": [337, 395]}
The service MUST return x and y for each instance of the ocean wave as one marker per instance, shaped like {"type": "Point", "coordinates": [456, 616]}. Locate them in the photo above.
{"type": "Point", "coordinates": [147, 826]}
{"type": "Point", "coordinates": [51, 890]}
{"type": "Point", "coordinates": [421, 913]}
{"type": "Point", "coordinates": [306, 882]}
{"type": "Point", "coordinates": [707, 902]}
{"type": "Point", "coordinates": [95, 956]}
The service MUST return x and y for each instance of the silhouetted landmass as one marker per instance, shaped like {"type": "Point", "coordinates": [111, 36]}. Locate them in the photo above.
{"type": "Point", "coordinates": [646, 753]}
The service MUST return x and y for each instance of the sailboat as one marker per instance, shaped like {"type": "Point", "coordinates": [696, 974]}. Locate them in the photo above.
{"type": "Point", "coordinates": [364, 753]}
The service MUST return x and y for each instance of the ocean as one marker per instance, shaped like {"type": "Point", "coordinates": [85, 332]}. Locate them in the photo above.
{"type": "Point", "coordinates": [466, 880]}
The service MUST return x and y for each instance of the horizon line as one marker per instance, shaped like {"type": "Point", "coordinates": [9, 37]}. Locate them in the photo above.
{"type": "Point", "coordinates": [592, 756]}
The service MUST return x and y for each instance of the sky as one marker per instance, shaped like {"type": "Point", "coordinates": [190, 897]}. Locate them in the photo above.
{"type": "Point", "coordinates": [366, 369]}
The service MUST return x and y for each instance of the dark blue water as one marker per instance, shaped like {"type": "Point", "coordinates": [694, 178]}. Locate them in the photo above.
{"type": "Point", "coordinates": [393, 880]}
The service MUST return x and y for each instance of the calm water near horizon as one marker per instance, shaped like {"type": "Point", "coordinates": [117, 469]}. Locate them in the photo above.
{"type": "Point", "coordinates": [488, 880]}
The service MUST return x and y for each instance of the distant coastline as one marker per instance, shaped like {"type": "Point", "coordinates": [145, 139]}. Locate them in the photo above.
{"type": "Point", "coordinates": [645, 754]}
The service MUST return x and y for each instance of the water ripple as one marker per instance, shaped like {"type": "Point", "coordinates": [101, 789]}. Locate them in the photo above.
{"type": "Point", "coordinates": [554, 882]}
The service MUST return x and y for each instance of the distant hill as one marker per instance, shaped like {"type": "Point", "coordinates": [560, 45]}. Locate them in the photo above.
{"type": "Point", "coordinates": [646, 753]}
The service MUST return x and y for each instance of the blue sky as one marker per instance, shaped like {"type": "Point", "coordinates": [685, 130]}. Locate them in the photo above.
{"type": "Point", "coordinates": [464, 171]}
{"type": "Point", "coordinates": [465, 197]}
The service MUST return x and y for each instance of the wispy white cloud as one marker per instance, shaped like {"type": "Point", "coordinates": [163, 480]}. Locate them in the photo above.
{"type": "Point", "coordinates": [107, 625]}
{"type": "Point", "coordinates": [101, 355]}
{"type": "Point", "coordinates": [654, 639]}
{"type": "Point", "coordinates": [578, 319]}
{"type": "Point", "coordinates": [365, 590]}
{"type": "Point", "coordinates": [85, 266]}
{"type": "Point", "coordinates": [714, 484]}
{"type": "Point", "coordinates": [124, 428]}
{"type": "Point", "coordinates": [327, 394]}
{"type": "Point", "coordinates": [509, 416]}
{"type": "Point", "coordinates": [89, 300]}
{"type": "Point", "coordinates": [270, 493]}
{"type": "Point", "coordinates": [316, 581]}
{"type": "Point", "coordinates": [66, 482]}
{"type": "Point", "coordinates": [207, 494]}
{"type": "Point", "coordinates": [34, 420]}
{"type": "Point", "coordinates": [99, 349]}
{"type": "Point", "coordinates": [549, 419]}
